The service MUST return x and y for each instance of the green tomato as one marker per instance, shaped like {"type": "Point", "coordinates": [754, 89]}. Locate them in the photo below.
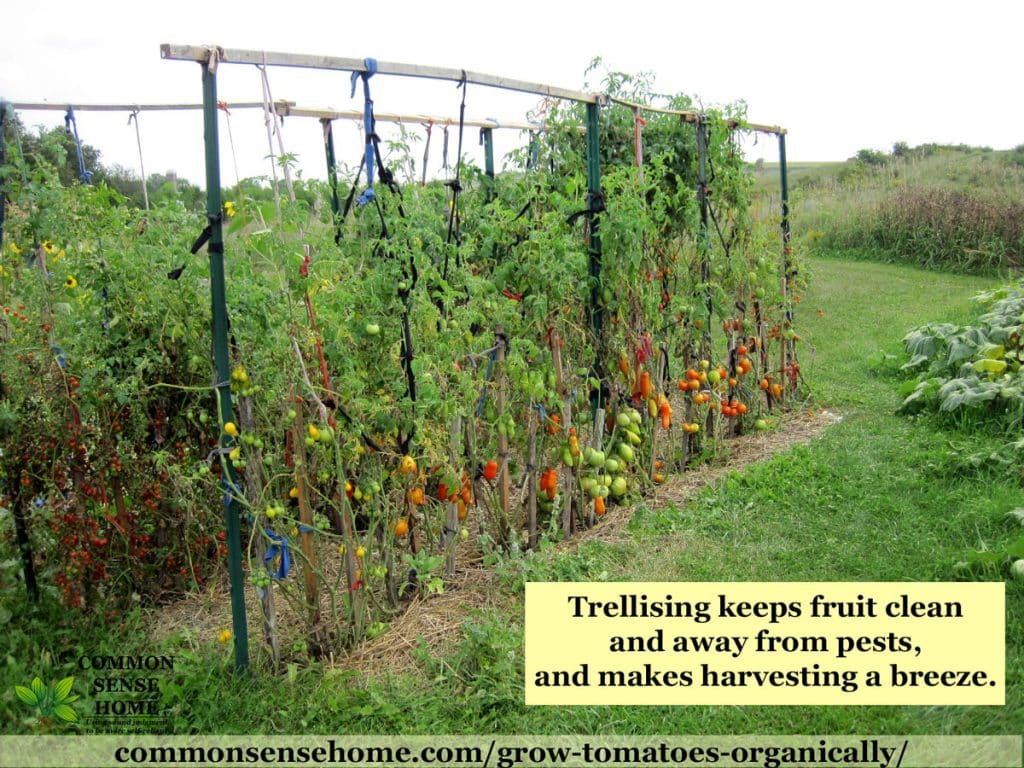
{"type": "Point", "coordinates": [619, 486]}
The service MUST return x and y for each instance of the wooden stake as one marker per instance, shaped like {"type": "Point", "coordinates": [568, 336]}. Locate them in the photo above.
{"type": "Point", "coordinates": [595, 443]}
{"type": "Point", "coordinates": [531, 479]}
{"type": "Point", "coordinates": [504, 490]}
{"type": "Point", "coordinates": [253, 493]}
{"type": "Point", "coordinates": [306, 536]}
{"type": "Point", "coordinates": [569, 482]}
{"type": "Point", "coordinates": [450, 539]}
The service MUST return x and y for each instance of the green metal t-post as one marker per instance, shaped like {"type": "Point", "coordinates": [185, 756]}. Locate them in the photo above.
{"type": "Point", "coordinates": [3, 162]}
{"type": "Point", "coordinates": [222, 363]}
{"type": "Point", "coordinates": [332, 176]}
{"type": "Point", "coordinates": [789, 355]}
{"type": "Point", "coordinates": [593, 195]}
{"type": "Point", "coordinates": [487, 138]}
{"type": "Point", "coordinates": [704, 237]}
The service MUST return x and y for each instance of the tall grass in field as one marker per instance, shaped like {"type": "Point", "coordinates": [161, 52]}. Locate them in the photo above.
{"type": "Point", "coordinates": [948, 208]}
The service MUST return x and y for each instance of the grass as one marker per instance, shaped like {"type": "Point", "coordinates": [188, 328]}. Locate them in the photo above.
{"type": "Point", "coordinates": [873, 499]}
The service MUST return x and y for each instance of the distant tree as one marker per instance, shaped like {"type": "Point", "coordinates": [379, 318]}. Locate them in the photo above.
{"type": "Point", "coordinates": [871, 157]}
{"type": "Point", "coordinates": [901, 150]}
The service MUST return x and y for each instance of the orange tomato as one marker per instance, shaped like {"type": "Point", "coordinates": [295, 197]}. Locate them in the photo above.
{"type": "Point", "coordinates": [599, 506]}
{"type": "Point", "coordinates": [645, 384]}
{"type": "Point", "coordinates": [401, 527]}
{"type": "Point", "coordinates": [554, 424]}
{"type": "Point", "coordinates": [490, 470]}
{"type": "Point", "coordinates": [741, 349]}
{"type": "Point", "coordinates": [416, 496]}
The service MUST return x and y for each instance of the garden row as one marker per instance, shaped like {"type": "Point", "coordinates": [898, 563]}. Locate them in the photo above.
{"type": "Point", "coordinates": [467, 366]}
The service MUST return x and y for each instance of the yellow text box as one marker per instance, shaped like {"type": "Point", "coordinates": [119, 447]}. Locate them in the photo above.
{"type": "Point", "coordinates": [816, 643]}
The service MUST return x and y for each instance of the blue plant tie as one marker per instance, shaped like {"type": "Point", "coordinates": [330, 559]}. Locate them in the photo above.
{"type": "Point", "coordinates": [370, 65]}
{"type": "Point", "coordinates": [62, 359]}
{"type": "Point", "coordinates": [306, 529]}
{"type": "Point", "coordinates": [71, 126]}
{"type": "Point", "coordinates": [278, 557]}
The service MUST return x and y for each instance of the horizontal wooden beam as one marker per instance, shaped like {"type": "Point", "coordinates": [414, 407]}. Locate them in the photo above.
{"type": "Point", "coordinates": [687, 114]}
{"type": "Point", "coordinates": [691, 116]}
{"type": "Point", "coordinates": [31, 106]}
{"type": "Point", "coordinates": [288, 110]}
{"type": "Point", "coordinates": [314, 61]}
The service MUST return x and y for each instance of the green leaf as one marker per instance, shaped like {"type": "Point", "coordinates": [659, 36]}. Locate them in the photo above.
{"type": "Point", "coordinates": [26, 695]}
{"type": "Point", "coordinates": [39, 689]}
{"type": "Point", "coordinates": [65, 713]}
{"type": "Point", "coordinates": [63, 689]}
{"type": "Point", "coordinates": [988, 365]}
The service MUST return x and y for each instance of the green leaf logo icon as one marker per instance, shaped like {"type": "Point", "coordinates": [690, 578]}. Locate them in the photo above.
{"type": "Point", "coordinates": [65, 713]}
{"type": "Point", "coordinates": [26, 695]}
{"type": "Point", "coordinates": [51, 700]}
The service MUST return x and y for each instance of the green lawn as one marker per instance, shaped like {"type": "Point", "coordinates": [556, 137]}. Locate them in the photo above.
{"type": "Point", "coordinates": [873, 499]}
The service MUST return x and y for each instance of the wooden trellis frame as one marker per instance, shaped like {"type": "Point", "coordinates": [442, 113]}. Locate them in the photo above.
{"type": "Point", "coordinates": [211, 57]}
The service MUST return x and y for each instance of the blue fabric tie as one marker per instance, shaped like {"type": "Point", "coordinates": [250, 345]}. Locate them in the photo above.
{"type": "Point", "coordinates": [280, 552]}
{"type": "Point", "coordinates": [368, 194]}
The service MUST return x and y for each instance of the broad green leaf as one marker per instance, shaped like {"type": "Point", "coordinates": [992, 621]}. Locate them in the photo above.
{"type": "Point", "coordinates": [914, 362]}
{"type": "Point", "coordinates": [26, 695]}
{"type": "Point", "coordinates": [63, 689]}
{"type": "Point", "coordinates": [994, 351]}
{"type": "Point", "coordinates": [989, 365]}
{"type": "Point", "coordinates": [65, 713]}
{"type": "Point", "coordinates": [39, 689]}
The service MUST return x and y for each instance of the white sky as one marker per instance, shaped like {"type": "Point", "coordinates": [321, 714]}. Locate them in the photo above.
{"type": "Point", "coordinates": [839, 76]}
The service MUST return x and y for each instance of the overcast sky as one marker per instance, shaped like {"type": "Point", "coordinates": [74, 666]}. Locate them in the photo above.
{"type": "Point", "coordinates": [839, 75]}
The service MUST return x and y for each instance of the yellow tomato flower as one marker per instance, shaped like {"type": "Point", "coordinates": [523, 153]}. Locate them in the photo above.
{"type": "Point", "coordinates": [15, 249]}
{"type": "Point", "coordinates": [70, 282]}
{"type": "Point", "coordinates": [224, 637]}
{"type": "Point", "coordinates": [229, 208]}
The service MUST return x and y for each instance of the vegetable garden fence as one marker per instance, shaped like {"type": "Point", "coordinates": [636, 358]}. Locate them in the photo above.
{"type": "Point", "coordinates": [392, 438]}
